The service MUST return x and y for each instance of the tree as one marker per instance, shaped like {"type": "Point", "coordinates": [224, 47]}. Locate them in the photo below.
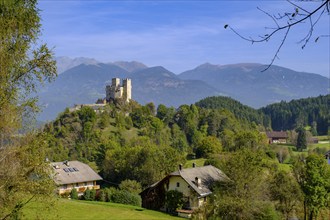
{"type": "Point", "coordinates": [244, 196]}
{"type": "Point", "coordinates": [131, 186]}
{"type": "Point", "coordinates": [313, 176]}
{"type": "Point", "coordinates": [208, 146]}
{"type": "Point", "coordinates": [286, 21]}
{"type": "Point", "coordinates": [301, 139]}
{"type": "Point", "coordinates": [22, 70]}
{"type": "Point", "coordinates": [284, 189]}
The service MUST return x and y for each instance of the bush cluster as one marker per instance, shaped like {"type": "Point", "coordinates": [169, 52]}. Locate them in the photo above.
{"type": "Point", "coordinates": [109, 195]}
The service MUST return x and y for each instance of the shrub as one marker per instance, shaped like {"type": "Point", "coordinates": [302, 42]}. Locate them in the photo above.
{"type": "Point", "coordinates": [125, 197]}
{"type": "Point", "coordinates": [131, 186]}
{"type": "Point", "coordinates": [92, 195]}
{"type": "Point", "coordinates": [65, 195]}
{"type": "Point", "coordinates": [87, 195]}
{"type": "Point", "coordinates": [173, 200]}
{"type": "Point", "coordinates": [74, 194]}
{"type": "Point", "coordinates": [101, 195]}
{"type": "Point", "coordinates": [109, 192]}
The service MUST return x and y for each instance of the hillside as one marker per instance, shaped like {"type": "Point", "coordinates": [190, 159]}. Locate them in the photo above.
{"type": "Point", "coordinates": [238, 109]}
{"type": "Point", "coordinates": [313, 112]}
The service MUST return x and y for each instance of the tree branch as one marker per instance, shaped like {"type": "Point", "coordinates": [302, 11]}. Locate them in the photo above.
{"type": "Point", "coordinates": [291, 22]}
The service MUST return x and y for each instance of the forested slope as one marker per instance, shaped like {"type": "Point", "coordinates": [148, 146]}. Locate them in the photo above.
{"type": "Point", "coordinates": [314, 112]}
{"type": "Point", "coordinates": [237, 108]}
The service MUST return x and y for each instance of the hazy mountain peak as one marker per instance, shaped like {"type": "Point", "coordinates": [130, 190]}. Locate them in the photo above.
{"type": "Point", "coordinates": [130, 66]}
{"type": "Point", "coordinates": [208, 66]}
{"type": "Point", "coordinates": [64, 63]}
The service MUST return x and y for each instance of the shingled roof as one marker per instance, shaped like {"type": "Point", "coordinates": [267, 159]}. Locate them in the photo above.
{"type": "Point", "coordinates": [73, 172]}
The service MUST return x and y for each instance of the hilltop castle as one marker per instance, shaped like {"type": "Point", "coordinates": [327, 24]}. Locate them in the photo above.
{"type": "Point", "coordinates": [117, 91]}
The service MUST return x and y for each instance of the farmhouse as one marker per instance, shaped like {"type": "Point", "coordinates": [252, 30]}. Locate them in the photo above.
{"type": "Point", "coordinates": [277, 137]}
{"type": "Point", "coordinates": [195, 184]}
{"type": "Point", "coordinates": [74, 174]}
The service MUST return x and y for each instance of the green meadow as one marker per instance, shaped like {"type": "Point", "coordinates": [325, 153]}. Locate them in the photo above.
{"type": "Point", "coordinates": [77, 209]}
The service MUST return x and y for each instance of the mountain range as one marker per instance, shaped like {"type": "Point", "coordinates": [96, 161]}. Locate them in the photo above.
{"type": "Point", "coordinates": [83, 80]}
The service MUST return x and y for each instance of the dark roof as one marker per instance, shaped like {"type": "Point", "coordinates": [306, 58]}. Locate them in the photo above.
{"type": "Point", "coordinates": [277, 134]}
{"type": "Point", "coordinates": [73, 172]}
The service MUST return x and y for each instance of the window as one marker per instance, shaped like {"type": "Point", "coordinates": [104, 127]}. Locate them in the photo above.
{"type": "Point", "coordinates": [85, 183]}
{"type": "Point", "coordinates": [71, 170]}
{"type": "Point", "coordinates": [75, 169]}
{"type": "Point", "coordinates": [77, 184]}
{"type": "Point", "coordinates": [66, 170]}
{"type": "Point", "coordinates": [177, 184]}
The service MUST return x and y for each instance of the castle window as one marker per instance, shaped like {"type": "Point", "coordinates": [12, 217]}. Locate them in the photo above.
{"type": "Point", "coordinates": [177, 184]}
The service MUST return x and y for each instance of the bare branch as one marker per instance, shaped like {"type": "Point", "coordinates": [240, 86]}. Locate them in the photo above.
{"type": "Point", "coordinates": [272, 17]}
{"type": "Point", "coordinates": [278, 50]}
{"type": "Point", "coordinates": [292, 20]}
{"type": "Point", "coordinates": [297, 6]}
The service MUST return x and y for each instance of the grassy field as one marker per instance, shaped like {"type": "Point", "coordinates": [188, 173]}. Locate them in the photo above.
{"type": "Point", "coordinates": [199, 162]}
{"type": "Point", "coordinates": [75, 209]}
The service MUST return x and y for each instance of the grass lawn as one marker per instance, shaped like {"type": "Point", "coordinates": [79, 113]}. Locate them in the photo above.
{"type": "Point", "coordinates": [76, 209]}
{"type": "Point", "coordinates": [199, 162]}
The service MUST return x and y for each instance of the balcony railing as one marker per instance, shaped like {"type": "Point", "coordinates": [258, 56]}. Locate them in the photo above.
{"type": "Point", "coordinates": [79, 189]}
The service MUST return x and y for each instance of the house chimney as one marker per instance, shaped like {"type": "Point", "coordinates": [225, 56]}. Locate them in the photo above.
{"type": "Point", "coordinates": [194, 165]}
{"type": "Point", "coordinates": [67, 163]}
{"type": "Point", "coordinates": [198, 182]}
{"type": "Point", "coordinates": [180, 166]}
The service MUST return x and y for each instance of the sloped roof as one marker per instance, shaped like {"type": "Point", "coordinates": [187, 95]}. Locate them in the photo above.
{"type": "Point", "coordinates": [73, 172]}
{"type": "Point", "coordinates": [277, 134]}
{"type": "Point", "coordinates": [206, 174]}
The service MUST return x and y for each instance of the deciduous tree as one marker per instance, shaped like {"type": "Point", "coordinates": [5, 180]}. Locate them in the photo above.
{"type": "Point", "coordinates": [23, 66]}
{"type": "Point", "coordinates": [313, 176]}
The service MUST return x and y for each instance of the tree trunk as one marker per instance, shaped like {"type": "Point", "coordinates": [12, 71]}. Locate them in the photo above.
{"type": "Point", "coordinates": [311, 214]}
{"type": "Point", "coordinates": [305, 211]}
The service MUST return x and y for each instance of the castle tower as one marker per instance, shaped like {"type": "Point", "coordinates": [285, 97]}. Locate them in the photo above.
{"type": "Point", "coordinates": [127, 87]}
{"type": "Point", "coordinates": [116, 91]}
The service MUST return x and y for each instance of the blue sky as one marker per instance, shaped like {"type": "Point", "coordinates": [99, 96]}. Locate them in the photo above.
{"type": "Point", "coordinates": [179, 35]}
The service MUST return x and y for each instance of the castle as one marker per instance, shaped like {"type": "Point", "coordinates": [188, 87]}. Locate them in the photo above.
{"type": "Point", "coordinates": [117, 91]}
{"type": "Point", "coordinates": [113, 91]}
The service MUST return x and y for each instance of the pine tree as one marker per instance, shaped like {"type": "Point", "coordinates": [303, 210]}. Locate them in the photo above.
{"type": "Point", "coordinates": [301, 139]}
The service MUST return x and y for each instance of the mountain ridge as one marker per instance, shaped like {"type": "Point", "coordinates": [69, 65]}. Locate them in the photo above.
{"type": "Point", "coordinates": [85, 83]}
